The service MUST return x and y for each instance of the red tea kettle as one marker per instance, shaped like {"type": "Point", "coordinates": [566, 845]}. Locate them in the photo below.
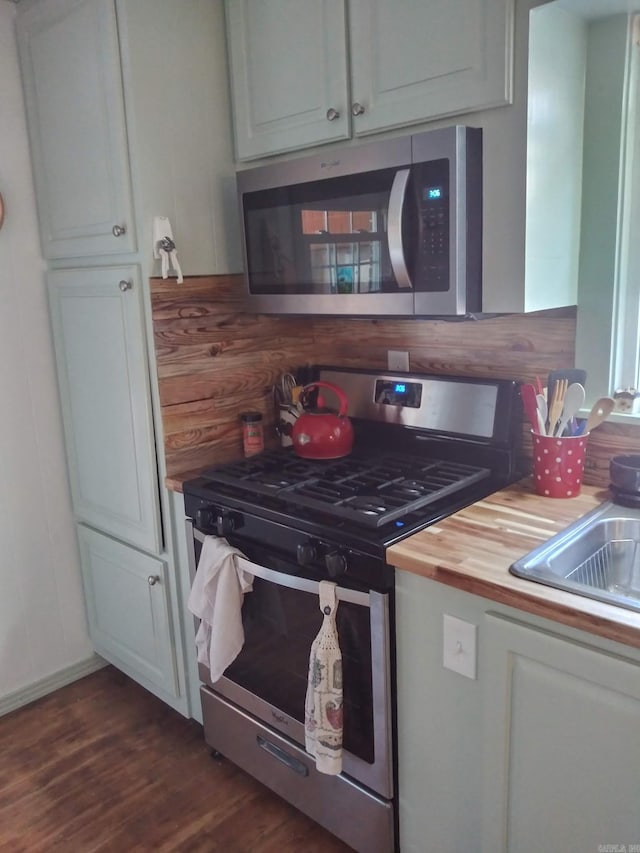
{"type": "Point", "coordinates": [322, 433]}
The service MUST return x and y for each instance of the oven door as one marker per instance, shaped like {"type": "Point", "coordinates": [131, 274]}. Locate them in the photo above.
{"type": "Point", "coordinates": [268, 679]}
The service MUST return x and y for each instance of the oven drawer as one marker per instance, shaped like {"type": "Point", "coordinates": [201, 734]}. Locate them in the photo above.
{"type": "Point", "coordinates": [344, 808]}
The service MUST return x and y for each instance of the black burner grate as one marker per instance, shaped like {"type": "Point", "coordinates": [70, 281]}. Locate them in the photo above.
{"type": "Point", "coordinates": [369, 491]}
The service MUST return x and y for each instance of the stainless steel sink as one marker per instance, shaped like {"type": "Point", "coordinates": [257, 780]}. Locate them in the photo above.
{"type": "Point", "coordinates": [598, 556]}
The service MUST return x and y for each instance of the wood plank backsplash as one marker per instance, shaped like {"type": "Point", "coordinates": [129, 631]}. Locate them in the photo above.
{"type": "Point", "coordinates": [215, 361]}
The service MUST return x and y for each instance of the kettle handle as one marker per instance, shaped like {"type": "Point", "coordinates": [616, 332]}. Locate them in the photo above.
{"type": "Point", "coordinates": [342, 397]}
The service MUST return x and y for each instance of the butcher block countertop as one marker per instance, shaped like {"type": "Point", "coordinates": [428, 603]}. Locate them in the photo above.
{"type": "Point", "coordinates": [473, 549]}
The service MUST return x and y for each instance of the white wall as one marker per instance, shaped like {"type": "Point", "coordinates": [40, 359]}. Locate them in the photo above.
{"type": "Point", "coordinates": [555, 120]}
{"type": "Point", "coordinates": [599, 251]}
{"type": "Point", "coordinates": [42, 620]}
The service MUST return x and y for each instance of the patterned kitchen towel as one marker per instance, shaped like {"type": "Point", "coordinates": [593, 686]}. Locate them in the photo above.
{"type": "Point", "coordinates": [216, 599]}
{"type": "Point", "coordinates": [323, 703]}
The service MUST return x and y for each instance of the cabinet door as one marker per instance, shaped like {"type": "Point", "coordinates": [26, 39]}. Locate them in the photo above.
{"type": "Point", "coordinates": [288, 66]}
{"type": "Point", "coordinates": [562, 743]}
{"type": "Point", "coordinates": [101, 358]}
{"type": "Point", "coordinates": [416, 61]}
{"type": "Point", "coordinates": [127, 597]}
{"type": "Point", "coordinates": [75, 112]}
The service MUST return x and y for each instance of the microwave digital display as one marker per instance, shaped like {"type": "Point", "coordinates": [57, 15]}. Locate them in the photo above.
{"type": "Point", "coordinates": [433, 194]}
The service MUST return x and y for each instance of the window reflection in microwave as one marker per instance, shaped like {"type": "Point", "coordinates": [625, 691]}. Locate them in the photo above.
{"type": "Point", "coordinates": [345, 267]}
{"type": "Point", "coordinates": [339, 221]}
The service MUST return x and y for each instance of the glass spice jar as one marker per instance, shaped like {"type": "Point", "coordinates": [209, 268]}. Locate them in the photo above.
{"type": "Point", "coordinates": [252, 435]}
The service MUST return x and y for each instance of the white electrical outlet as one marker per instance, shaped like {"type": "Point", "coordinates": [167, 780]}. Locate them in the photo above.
{"type": "Point", "coordinates": [397, 359]}
{"type": "Point", "coordinates": [459, 646]}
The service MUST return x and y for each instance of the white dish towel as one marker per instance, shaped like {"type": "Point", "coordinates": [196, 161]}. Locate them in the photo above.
{"type": "Point", "coordinates": [216, 599]}
{"type": "Point", "coordinates": [323, 704]}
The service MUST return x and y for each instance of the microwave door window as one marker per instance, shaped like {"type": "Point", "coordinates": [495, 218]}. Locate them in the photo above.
{"type": "Point", "coordinates": [324, 237]}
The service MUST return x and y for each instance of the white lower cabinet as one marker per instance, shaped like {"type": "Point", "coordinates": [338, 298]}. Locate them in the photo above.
{"type": "Point", "coordinates": [128, 571]}
{"type": "Point", "coordinates": [103, 375]}
{"type": "Point", "coordinates": [128, 608]}
{"type": "Point", "coordinates": [541, 752]}
{"type": "Point", "coordinates": [562, 744]}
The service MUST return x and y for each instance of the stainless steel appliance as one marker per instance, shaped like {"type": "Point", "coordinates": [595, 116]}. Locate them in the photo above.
{"type": "Point", "coordinates": [424, 447]}
{"type": "Point", "coordinates": [387, 228]}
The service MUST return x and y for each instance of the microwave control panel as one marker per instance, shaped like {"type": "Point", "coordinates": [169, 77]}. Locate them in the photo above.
{"type": "Point", "coordinates": [431, 185]}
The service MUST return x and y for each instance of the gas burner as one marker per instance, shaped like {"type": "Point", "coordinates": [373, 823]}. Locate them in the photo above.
{"type": "Point", "coordinates": [371, 489]}
{"type": "Point", "coordinates": [276, 482]}
{"type": "Point", "coordinates": [369, 505]}
{"type": "Point", "coordinates": [410, 488]}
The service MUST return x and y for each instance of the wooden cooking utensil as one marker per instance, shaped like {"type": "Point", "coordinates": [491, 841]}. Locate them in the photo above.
{"type": "Point", "coordinates": [556, 405]}
{"type": "Point", "coordinates": [600, 411]}
{"type": "Point", "coordinates": [571, 374]}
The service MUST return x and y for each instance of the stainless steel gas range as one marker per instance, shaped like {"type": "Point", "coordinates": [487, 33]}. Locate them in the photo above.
{"type": "Point", "coordinates": [425, 447]}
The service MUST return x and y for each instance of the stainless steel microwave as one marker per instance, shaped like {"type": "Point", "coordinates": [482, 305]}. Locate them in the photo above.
{"type": "Point", "coordinates": [391, 228]}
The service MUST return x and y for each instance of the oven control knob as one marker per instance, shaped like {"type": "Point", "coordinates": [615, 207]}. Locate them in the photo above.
{"type": "Point", "coordinates": [306, 553]}
{"type": "Point", "coordinates": [205, 518]}
{"type": "Point", "coordinates": [227, 522]}
{"type": "Point", "coordinates": [336, 563]}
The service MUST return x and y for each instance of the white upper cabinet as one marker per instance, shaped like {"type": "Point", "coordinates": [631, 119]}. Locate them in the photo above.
{"type": "Point", "coordinates": [128, 114]}
{"type": "Point", "coordinates": [412, 61]}
{"type": "Point", "coordinates": [304, 73]}
{"type": "Point", "coordinates": [75, 109]}
{"type": "Point", "coordinates": [288, 62]}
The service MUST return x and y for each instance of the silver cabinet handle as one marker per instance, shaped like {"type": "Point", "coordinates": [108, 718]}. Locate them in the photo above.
{"type": "Point", "coordinates": [332, 114]}
{"type": "Point", "coordinates": [357, 109]}
{"type": "Point", "coordinates": [394, 228]}
{"type": "Point", "coordinates": [125, 285]}
{"type": "Point", "coordinates": [152, 580]}
{"type": "Point", "coordinates": [119, 230]}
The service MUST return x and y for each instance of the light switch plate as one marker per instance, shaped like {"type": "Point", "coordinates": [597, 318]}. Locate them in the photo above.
{"type": "Point", "coordinates": [459, 646]}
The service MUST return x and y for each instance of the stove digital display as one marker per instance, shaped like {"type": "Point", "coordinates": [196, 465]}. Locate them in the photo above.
{"type": "Point", "coordinates": [390, 392]}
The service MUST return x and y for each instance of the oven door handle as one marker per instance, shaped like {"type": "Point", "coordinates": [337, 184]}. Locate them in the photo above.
{"type": "Point", "coordinates": [294, 581]}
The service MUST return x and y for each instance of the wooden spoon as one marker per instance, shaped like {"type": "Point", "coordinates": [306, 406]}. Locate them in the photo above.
{"type": "Point", "coordinates": [600, 411]}
{"type": "Point", "coordinates": [556, 405]}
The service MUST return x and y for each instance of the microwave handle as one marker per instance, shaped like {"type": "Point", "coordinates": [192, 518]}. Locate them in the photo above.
{"type": "Point", "coordinates": [293, 581]}
{"type": "Point", "coordinates": [394, 228]}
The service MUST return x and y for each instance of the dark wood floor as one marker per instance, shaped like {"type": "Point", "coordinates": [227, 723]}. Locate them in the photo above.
{"type": "Point", "coordinates": [102, 765]}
